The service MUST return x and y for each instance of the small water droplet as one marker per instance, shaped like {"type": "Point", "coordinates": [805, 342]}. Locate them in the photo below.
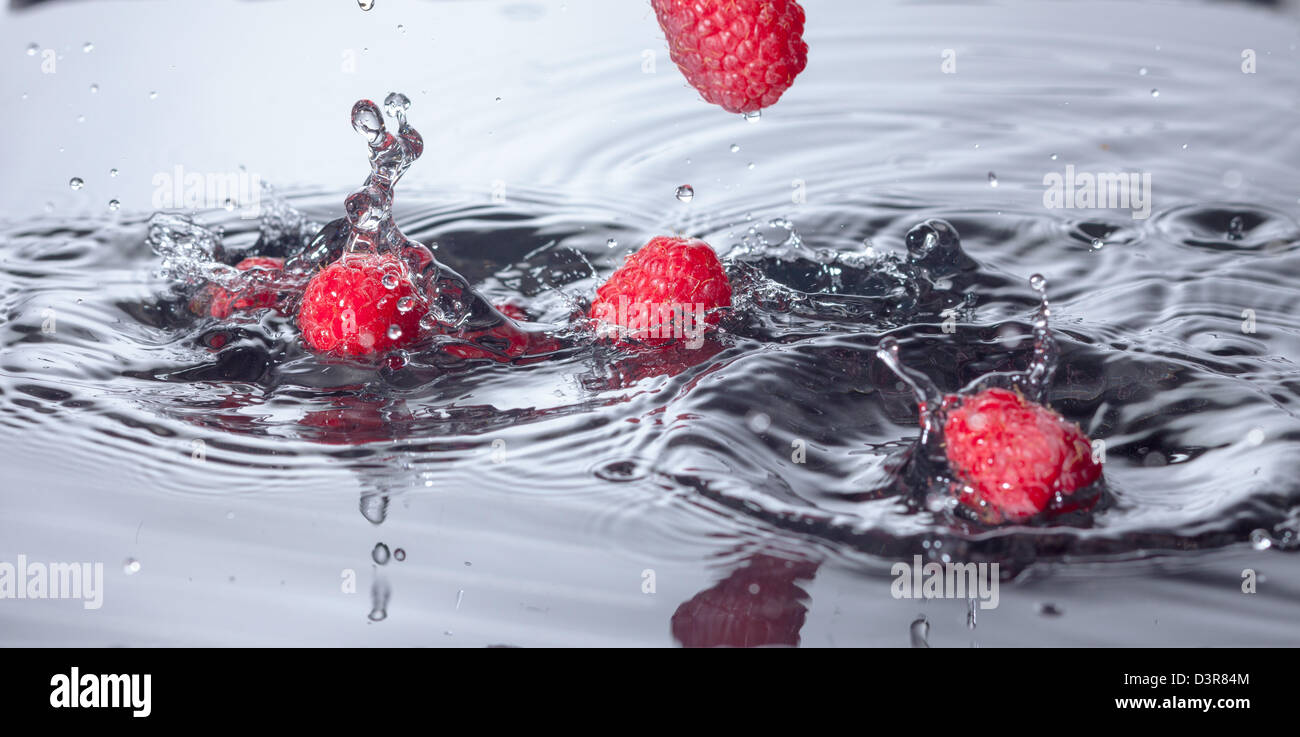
{"type": "Point", "coordinates": [735, 148]}
{"type": "Point", "coordinates": [94, 88]}
{"type": "Point", "coordinates": [1236, 228]}
{"type": "Point", "coordinates": [229, 204]}
{"type": "Point", "coordinates": [1155, 92]}
{"type": "Point", "coordinates": [76, 183]}
{"type": "Point", "coordinates": [81, 118]}
{"type": "Point", "coordinates": [401, 29]}
{"type": "Point", "coordinates": [366, 4]}
{"type": "Point", "coordinates": [1260, 540]}
{"type": "Point", "coordinates": [685, 193]}
{"type": "Point", "coordinates": [112, 172]}
{"type": "Point", "coordinates": [405, 304]}
{"type": "Point", "coordinates": [153, 95]}
{"type": "Point", "coordinates": [1053, 157]}
{"type": "Point", "coordinates": [1037, 283]}
{"type": "Point", "coordinates": [993, 179]}
{"type": "Point", "coordinates": [1142, 71]}
{"type": "Point", "coordinates": [399, 554]}
{"type": "Point", "coordinates": [611, 243]}
{"type": "Point", "coordinates": [88, 47]}
{"type": "Point", "coordinates": [114, 204]}
{"type": "Point", "coordinates": [380, 554]}
{"type": "Point", "coordinates": [131, 566]}
{"type": "Point", "coordinates": [754, 116]}
{"type": "Point", "coordinates": [33, 48]}
{"type": "Point", "coordinates": [396, 105]}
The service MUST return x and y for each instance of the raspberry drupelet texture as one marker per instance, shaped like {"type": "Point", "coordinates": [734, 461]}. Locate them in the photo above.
{"type": "Point", "coordinates": [661, 291]}
{"type": "Point", "coordinates": [1015, 455]}
{"type": "Point", "coordinates": [740, 54]}
{"type": "Point", "coordinates": [361, 304]}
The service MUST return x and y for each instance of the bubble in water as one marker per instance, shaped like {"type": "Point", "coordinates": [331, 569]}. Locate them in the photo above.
{"type": "Point", "coordinates": [405, 304]}
{"type": "Point", "coordinates": [1155, 92]}
{"type": "Point", "coordinates": [389, 281]}
{"type": "Point", "coordinates": [114, 204]}
{"type": "Point", "coordinates": [366, 4]}
{"type": "Point", "coordinates": [754, 116]}
{"type": "Point", "coordinates": [131, 566]}
{"type": "Point", "coordinates": [394, 332]}
{"type": "Point", "coordinates": [88, 47]}
{"type": "Point", "coordinates": [374, 507]}
{"type": "Point", "coordinates": [399, 554]}
{"type": "Point", "coordinates": [94, 88]}
{"type": "Point", "coordinates": [735, 148]}
{"type": "Point", "coordinates": [401, 28]}
{"type": "Point", "coordinates": [112, 172]}
{"type": "Point", "coordinates": [1142, 72]}
{"type": "Point", "coordinates": [1038, 283]}
{"type": "Point", "coordinates": [81, 118]}
{"type": "Point", "coordinates": [33, 48]}
{"type": "Point", "coordinates": [1236, 228]}
{"type": "Point", "coordinates": [611, 243]}
{"type": "Point", "coordinates": [153, 95]}
{"type": "Point", "coordinates": [76, 183]}
{"type": "Point", "coordinates": [380, 553]}
{"type": "Point", "coordinates": [993, 179]}
{"type": "Point", "coordinates": [1260, 540]}
{"type": "Point", "coordinates": [685, 193]}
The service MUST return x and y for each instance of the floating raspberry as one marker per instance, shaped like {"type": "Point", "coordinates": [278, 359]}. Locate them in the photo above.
{"type": "Point", "coordinates": [1015, 455]}
{"type": "Point", "coordinates": [739, 54]}
{"type": "Point", "coordinates": [220, 302]}
{"type": "Point", "coordinates": [668, 291]}
{"type": "Point", "coordinates": [361, 304]}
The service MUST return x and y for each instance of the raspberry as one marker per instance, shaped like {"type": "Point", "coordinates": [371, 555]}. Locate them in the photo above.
{"type": "Point", "coordinates": [220, 302]}
{"type": "Point", "coordinates": [1015, 455]}
{"type": "Point", "coordinates": [663, 292]}
{"type": "Point", "coordinates": [361, 304]}
{"type": "Point", "coordinates": [760, 604]}
{"type": "Point", "coordinates": [740, 54]}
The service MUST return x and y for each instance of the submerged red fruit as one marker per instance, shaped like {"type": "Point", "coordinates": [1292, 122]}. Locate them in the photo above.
{"type": "Point", "coordinates": [666, 292]}
{"type": "Point", "coordinates": [221, 302]}
{"type": "Point", "coordinates": [361, 304]}
{"type": "Point", "coordinates": [740, 54]}
{"type": "Point", "coordinates": [1014, 454]}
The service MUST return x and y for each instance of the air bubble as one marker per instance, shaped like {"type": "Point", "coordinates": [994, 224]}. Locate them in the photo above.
{"type": "Point", "coordinates": [94, 88]}
{"type": "Point", "coordinates": [1155, 92]}
{"type": "Point", "coordinates": [611, 243]}
{"type": "Point", "coordinates": [112, 172]}
{"type": "Point", "coordinates": [735, 148]}
{"type": "Point", "coordinates": [993, 179]}
{"type": "Point", "coordinates": [32, 49]}
{"type": "Point", "coordinates": [380, 553]}
{"type": "Point", "coordinates": [405, 304]}
{"type": "Point", "coordinates": [394, 332]}
{"type": "Point", "coordinates": [389, 281]}
{"type": "Point", "coordinates": [685, 193]}
{"type": "Point", "coordinates": [88, 47]}
{"type": "Point", "coordinates": [365, 4]}
{"type": "Point", "coordinates": [114, 204]}
{"type": "Point", "coordinates": [399, 554]}
{"type": "Point", "coordinates": [76, 183]}
{"type": "Point", "coordinates": [1260, 540]}
{"type": "Point", "coordinates": [753, 116]}
{"type": "Point", "coordinates": [131, 566]}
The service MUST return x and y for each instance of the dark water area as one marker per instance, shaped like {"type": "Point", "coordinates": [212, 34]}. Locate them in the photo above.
{"type": "Point", "coordinates": [234, 482]}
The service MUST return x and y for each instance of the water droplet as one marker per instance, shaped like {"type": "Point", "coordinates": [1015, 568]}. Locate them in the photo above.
{"type": "Point", "coordinates": [396, 105]}
{"type": "Point", "coordinates": [754, 117]}
{"type": "Point", "coordinates": [380, 554]}
{"type": "Point", "coordinates": [229, 204]}
{"type": "Point", "coordinates": [685, 193]}
{"type": "Point", "coordinates": [94, 88]}
{"type": "Point", "coordinates": [153, 95]}
{"type": "Point", "coordinates": [611, 243]}
{"type": "Point", "coordinates": [1142, 72]}
{"type": "Point", "coordinates": [1255, 436]}
{"type": "Point", "coordinates": [394, 332]}
{"type": "Point", "coordinates": [114, 204]}
{"type": "Point", "coordinates": [1155, 92]}
{"type": "Point", "coordinates": [389, 281]}
{"type": "Point", "coordinates": [735, 148]}
{"type": "Point", "coordinates": [401, 28]}
{"type": "Point", "coordinates": [1037, 283]}
{"type": "Point", "coordinates": [1053, 157]}
{"type": "Point", "coordinates": [88, 47]}
{"type": "Point", "coordinates": [750, 166]}
{"type": "Point", "coordinates": [76, 183]}
{"type": "Point", "coordinates": [1260, 540]}
{"type": "Point", "coordinates": [993, 179]}
{"type": "Point", "coordinates": [366, 4]}
{"type": "Point", "coordinates": [112, 172]}
{"type": "Point", "coordinates": [405, 304]}
{"type": "Point", "coordinates": [131, 566]}
{"type": "Point", "coordinates": [33, 48]}
{"type": "Point", "coordinates": [399, 554]}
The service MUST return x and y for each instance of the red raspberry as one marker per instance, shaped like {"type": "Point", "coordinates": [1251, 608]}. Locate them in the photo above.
{"type": "Point", "coordinates": [1014, 454]}
{"type": "Point", "coordinates": [363, 303]}
{"type": "Point", "coordinates": [740, 54]}
{"type": "Point", "coordinates": [220, 302]}
{"type": "Point", "coordinates": [659, 293]}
